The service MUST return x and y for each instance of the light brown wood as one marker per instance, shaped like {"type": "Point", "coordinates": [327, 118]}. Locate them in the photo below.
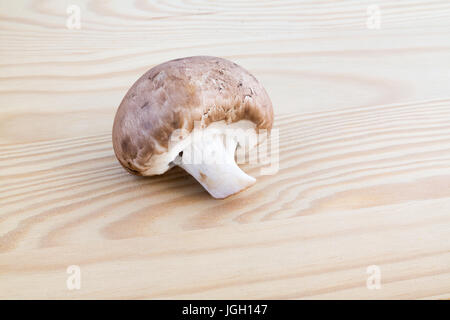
{"type": "Point", "coordinates": [364, 179]}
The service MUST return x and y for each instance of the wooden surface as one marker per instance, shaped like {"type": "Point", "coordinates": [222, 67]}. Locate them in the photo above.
{"type": "Point", "coordinates": [364, 179]}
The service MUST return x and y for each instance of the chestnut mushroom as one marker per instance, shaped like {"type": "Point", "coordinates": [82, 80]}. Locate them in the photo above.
{"type": "Point", "coordinates": [155, 124]}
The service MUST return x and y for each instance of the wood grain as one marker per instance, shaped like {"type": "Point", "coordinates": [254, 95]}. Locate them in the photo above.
{"type": "Point", "coordinates": [364, 172]}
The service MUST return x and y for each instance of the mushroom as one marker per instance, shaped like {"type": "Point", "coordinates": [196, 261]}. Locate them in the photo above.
{"type": "Point", "coordinates": [158, 120]}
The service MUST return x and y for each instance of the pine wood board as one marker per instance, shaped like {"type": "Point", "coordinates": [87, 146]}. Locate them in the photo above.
{"type": "Point", "coordinates": [364, 172]}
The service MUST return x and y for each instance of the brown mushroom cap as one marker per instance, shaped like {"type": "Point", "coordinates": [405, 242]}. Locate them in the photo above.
{"type": "Point", "coordinates": [175, 94]}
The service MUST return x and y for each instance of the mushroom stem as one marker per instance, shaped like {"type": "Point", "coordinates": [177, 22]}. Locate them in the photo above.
{"type": "Point", "coordinates": [212, 163]}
